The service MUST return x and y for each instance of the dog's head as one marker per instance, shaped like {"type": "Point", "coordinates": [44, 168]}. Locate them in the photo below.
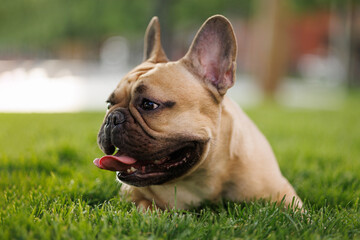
{"type": "Point", "coordinates": [163, 116]}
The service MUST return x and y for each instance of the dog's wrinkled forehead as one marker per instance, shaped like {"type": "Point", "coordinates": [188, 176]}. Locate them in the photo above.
{"type": "Point", "coordinates": [121, 95]}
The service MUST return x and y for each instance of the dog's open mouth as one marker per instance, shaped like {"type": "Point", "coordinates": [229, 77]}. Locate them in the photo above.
{"type": "Point", "coordinates": [157, 171]}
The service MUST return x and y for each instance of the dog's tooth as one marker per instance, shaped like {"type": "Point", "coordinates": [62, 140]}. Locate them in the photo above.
{"type": "Point", "coordinates": [128, 170]}
{"type": "Point", "coordinates": [132, 169]}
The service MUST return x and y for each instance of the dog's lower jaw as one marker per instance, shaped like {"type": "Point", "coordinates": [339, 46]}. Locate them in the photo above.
{"type": "Point", "coordinates": [169, 168]}
{"type": "Point", "coordinates": [181, 193]}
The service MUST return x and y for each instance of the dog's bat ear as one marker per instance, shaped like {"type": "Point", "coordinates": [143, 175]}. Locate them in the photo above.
{"type": "Point", "coordinates": [153, 50]}
{"type": "Point", "coordinates": [212, 54]}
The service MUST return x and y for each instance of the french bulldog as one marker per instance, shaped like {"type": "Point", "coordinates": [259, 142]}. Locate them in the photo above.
{"type": "Point", "coordinates": [174, 138]}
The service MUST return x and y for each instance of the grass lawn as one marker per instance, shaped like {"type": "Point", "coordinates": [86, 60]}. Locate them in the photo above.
{"type": "Point", "coordinates": [50, 189]}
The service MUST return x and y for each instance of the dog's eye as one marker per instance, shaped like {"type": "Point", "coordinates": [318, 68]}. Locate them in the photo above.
{"type": "Point", "coordinates": [148, 105]}
{"type": "Point", "coordinates": [108, 105]}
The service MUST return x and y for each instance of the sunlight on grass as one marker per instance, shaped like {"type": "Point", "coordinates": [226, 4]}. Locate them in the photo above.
{"type": "Point", "coordinates": [49, 187]}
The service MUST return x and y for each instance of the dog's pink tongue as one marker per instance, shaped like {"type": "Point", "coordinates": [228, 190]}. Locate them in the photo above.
{"type": "Point", "coordinates": [114, 163]}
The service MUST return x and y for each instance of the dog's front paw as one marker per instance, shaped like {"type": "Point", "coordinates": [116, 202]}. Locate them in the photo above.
{"type": "Point", "coordinates": [143, 205]}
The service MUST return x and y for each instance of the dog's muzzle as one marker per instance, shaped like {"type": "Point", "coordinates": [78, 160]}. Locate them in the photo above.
{"type": "Point", "coordinates": [142, 159]}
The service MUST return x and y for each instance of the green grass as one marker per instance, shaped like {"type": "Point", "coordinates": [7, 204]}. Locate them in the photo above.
{"type": "Point", "coordinates": [49, 188]}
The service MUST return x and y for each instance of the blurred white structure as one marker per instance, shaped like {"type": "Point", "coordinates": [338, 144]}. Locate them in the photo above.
{"type": "Point", "coordinates": [41, 89]}
{"type": "Point", "coordinates": [70, 86]}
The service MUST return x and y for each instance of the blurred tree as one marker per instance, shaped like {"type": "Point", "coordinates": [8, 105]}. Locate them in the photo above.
{"type": "Point", "coordinates": [31, 25]}
{"type": "Point", "coordinates": [37, 25]}
{"type": "Point", "coordinates": [271, 43]}
{"type": "Point", "coordinates": [353, 37]}
{"type": "Point", "coordinates": [42, 28]}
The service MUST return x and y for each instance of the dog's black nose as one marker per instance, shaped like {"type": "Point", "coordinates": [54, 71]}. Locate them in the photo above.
{"type": "Point", "coordinates": [115, 118]}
